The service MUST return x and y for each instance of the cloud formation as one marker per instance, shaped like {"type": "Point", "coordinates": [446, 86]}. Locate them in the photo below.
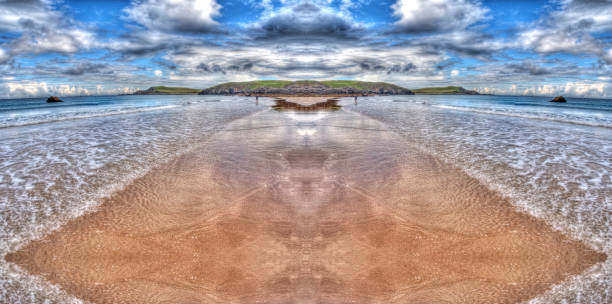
{"type": "Point", "coordinates": [527, 68]}
{"type": "Point", "coordinates": [306, 19]}
{"type": "Point", "coordinates": [189, 16]}
{"type": "Point", "coordinates": [570, 89]}
{"type": "Point", "coordinates": [571, 29]}
{"type": "Point", "coordinates": [88, 68]}
{"type": "Point", "coordinates": [426, 16]}
{"type": "Point", "coordinates": [199, 43]}
{"type": "Point", "coordinates": [40, 28]}
{"type": "Point", "coordinates": [35, 88]}
{"type": "Point", "coordinates": [4, 58]}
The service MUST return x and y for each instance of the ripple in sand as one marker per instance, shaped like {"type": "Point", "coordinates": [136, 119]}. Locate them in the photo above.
{"type": "Point", "coordinates": [332, 215]}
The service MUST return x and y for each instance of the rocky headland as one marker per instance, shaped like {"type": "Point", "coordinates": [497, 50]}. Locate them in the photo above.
{"type": "Point", "coordinates": [450, 90]}
{"type": "Point", "coordinates": [163, 90]}
{"type": "Point", "coordinates": [306, 88]}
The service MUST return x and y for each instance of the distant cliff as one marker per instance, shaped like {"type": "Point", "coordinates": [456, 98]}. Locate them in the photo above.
{"type": "Point", "coordinates": [306, 88]}
{"type": "Point", "coordinates": [450, 90]}
{"type": "Point", "coordinates": [162, 90]}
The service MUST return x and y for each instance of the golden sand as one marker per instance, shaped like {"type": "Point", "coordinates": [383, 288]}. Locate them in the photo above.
{"type": "Point", "coordinates": [346, 217]}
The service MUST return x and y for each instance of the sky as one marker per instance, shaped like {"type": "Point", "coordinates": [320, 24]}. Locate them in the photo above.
{"type": "Point", "coordinates": [99, 47]}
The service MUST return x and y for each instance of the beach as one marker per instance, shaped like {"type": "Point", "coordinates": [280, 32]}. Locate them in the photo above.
{"type": "Point", "coordinates": [398, 199]}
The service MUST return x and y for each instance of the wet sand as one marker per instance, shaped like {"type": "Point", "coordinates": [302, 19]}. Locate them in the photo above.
{"type": "Point", "coordinates": [306, 104]}
{"type": "Point", "coordinates": [283, 207]}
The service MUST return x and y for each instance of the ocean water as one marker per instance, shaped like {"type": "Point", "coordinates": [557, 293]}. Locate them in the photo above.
{"type": "Point", "coordinates": [59, 160]}
{"type": "Point", "coordinates": [553, 161]}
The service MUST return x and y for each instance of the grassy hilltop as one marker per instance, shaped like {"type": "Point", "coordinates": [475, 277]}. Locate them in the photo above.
{"type": "Point", "coordinates": [444, 90]}
{"type": "Point", "coordinates": [163, 90]}
{"type": "Point", "coordinates": [306, 88]}
{"type": "Point", "coordinates": [279, 84]}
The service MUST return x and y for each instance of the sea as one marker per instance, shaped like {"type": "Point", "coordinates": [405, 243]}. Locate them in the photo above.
{"type": "Point", "coordinates": [59, 161]}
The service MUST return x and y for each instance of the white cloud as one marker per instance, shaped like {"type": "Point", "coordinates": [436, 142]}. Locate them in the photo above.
{"type": "Point", "coordinates": [3, 56]}
{"type": "Point", "coordinates": [572, 89]}
{"type": "Point", "coordinates": [14, 13]}
{"type": "Point", "coordinates": [419, 16]}
{"type": "Point", "coordinates": [41, 28]}
{"type": "Point", "coordinates": [558, 40]}
{"type": "Point", "coordinates": [454, 73]}
{"type": "Point", "coordinates": [53, 40]}
{"type": "Point", "coordinates": [158, 73]}
{"type": "Point", "coordinates": [608, 57]}
{"type": "Point", "coordinates": [570, 29]}
{"type": "Point", "coordinates": [29, 88]}
{"type": "Point", "coordinates": [175, 15]}
{"type": "Point", "coordinates": [299, 62]}
{"type": "Point", "coordinates": [307, 18]}
{"type": "Point", "coordinates": [594, 15]}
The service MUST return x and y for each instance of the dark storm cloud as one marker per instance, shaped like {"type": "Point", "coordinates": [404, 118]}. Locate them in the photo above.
{"type": "Point", "coordinates": [187, 16]}
{"type": "Point", "coordinates": [447, 64]}
{"type": "Point", "coordinates": [210, 68]}
{"type": "Point", "coordinates": [528, 68]}
{"type": "Point", "coordinates": [260, 66]}
{"type": "Point", "coordinates": [376, 65]}
{"type": "Point", "coordinates": [38, 27]}
{"type": "Point", "coordinates": [426, 16]}
{"type": "Point", "coordinates": [401, 69]}
{"type": "Point", "coordinates": [147, 44]}
{"type": "Point", "coordinates": [462, 43]}
{"type": "Point", "coordinates": [199, 42]}
{"type": "Point", "coordinates": [227, 66]}
{"type": "Point", "coordinates": [25, 9]}
{"type": "Point", "coordinates": [289, 65]}
{"type": "Point", "coordinates": [372, 65]}
{"type": "Point", "coordinates": [88, 68]}
{"type": "Point", "coordinates": [576, 28]}
{"type": "Point", "coordinates": [307, 20]}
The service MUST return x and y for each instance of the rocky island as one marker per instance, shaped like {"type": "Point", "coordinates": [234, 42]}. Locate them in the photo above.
{"type": "Point", "coordinates": [54, 99]}
{"type": "Point", "coordinates": [558, 99]}
{"type": "Point", "coordinates": [450, 90]}
{"type": "Point", "coordinates": [163, 90]}
{"type": "Point", "coordinates": [306, 88]}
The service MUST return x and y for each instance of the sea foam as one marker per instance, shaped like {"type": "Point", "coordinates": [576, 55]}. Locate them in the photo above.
{"type": "Point", "coordinates": [554, 169]}
{"type": "Point", "coordinates": [56, 170]}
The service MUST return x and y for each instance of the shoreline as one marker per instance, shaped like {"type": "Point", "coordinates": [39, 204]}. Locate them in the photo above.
{"type": "Point", "coordinates": [331, 204]}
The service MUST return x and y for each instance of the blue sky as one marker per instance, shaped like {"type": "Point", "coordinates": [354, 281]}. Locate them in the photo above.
{"type": "Point", "coordinates": [113, 46]}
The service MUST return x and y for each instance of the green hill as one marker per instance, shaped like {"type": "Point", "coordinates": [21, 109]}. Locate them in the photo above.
{"type": "Point", "coordinates": [444, 91]}
{"type": "Point", "coordinates": [278, 84]}
{"type": "Point", "coordinates": [306, 88]}
{"type": "Point", "coordinates": [163, 90]}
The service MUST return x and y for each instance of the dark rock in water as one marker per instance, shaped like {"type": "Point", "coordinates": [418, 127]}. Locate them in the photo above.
{"type": "Point", "coordinates": [54, 99]}
{"type": "Point", "coordinates": [558, 99]}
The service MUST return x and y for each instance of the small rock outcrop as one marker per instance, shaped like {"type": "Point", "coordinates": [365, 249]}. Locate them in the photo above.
{"type": "Point", "coordinates": [54, 99]}
{"type": "Point", "coordinates": [558, 99]}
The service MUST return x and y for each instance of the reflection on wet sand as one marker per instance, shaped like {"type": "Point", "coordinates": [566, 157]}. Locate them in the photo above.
{"type": "Point", "coordinates": [306, 104]}
{"type": "Point", "coordinates": [314, 208]}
